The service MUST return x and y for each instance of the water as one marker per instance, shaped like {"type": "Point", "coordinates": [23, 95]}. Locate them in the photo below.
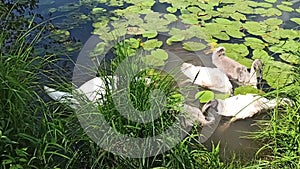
{"type": "Point", "coordinates": [231, 140]}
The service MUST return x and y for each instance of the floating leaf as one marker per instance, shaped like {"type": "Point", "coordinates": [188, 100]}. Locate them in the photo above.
{"type": "Point", "coordinates": [272, 12]}
{"type": "Point", "coordinates": [238, 16]}
{"type": "Point", "coordinates": [171, 9]}
{"type": "Point", "coordinates": [235, 33]}
{"type": "Point", "coordinates": [271, 1]}
{"type": "Point", "coordinates": [265, 5]}
{"type": "Point", "coordinates": [160, 54]}
{"type": "Point", "coordinates": [193, 46]}
{"type": "Point", "coordinates": [298, 10]}
{"type": "Point", "coordinates": [246, 90]}
{"type": "Point", "coordinates": [221, 36]}
{"type": "Point", "coordinates": [150, 60]}
{"type": "Point", "coordinates": [189, 18]}
{"type": "Point", "coordinates": [175, 38]}
{"type": "Point", "coordinates": [291, 58]}
{"type": "Point", "coordinates": [277, 74]}
{"type": "Point", "coordinates": [254, 28]}
{"type": "Point", "coordinates": [287, 3]}
{"type": "Point", "coordinates": [285, 8]}
{"type": "Point", "coordinates": [254, 43]}
{"type": "Point", "coordinates": [261, 54]}
{"type": "Point", "coordinates": [151, 44]}
{"type": "Point", "coordinates": [171, 17]}
{"type": "Point", "coordinates": [205, 96]}
{"type": "Point", "coordinates": [150, 34]}
{"type": "Point", "coordinates": [60, 35]}
{"type": "Point", "coordinates": [273, 21]}
{"type": "Point", "coordinates": [296, 20]}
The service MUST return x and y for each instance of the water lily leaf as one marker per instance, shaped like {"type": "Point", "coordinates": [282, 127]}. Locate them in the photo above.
{"type": "Point", "coordinates": [298, 10]}
{"type": "Point", "coordinates": [265, 5]}
{"type": "Point", "coordinates": [223, 21]}
{"type": "Point", "coordinates": [98, 50]}
{"type": "Point", "coordinates": [150, 34]}
{"type": "Point", "coordinates": [175, 38]}
{"type": "Point", "coordinates": [60, 35]}
{"type": "Point", "coordinates": [171, 17]}
{"type": "Point", "coordinates": [151, 44]}
{"type": "Point", "coordinates": [160, 54]}
{"type": "Point", "coordinates": [254, 43]}
{"type": "Point", "coordinates": [151, 60]}
{"type": "Point", "coordinates": [205, 96]}
{"type": "Point", "coordinates": [171, 9]}
{"type": "Point", "coordinates": [288, 33]}
{"type": "Point", "coordinates": [255, 28]}
{"type": "Point", "coordinates": [227, 9]}
{"type": "Point", "coordinates": [132, 30]}
{"type": "Point", "coordinates": [238, 16]}
{"type": "Point", "coordinates": [242, 8]}
{"type": "Point", "coordinates": [246, 90]}
{"type": "Point", "coordinates": [273, 21]}
{"type": "Point", "coordinates": [221, 36]}
{"type": "Point", "coordinates": [98, 10]}
{"type": "Point", "coordinates": [189, 18]}
{"type": "Point", "coordinates": [193, 46]}
{"type": "Point", "coordinates": [194, 9]}
{"type": "Point", "coordinates": [272, 12]}
{"type": "Point", "coordinates": [277, 74]}
{"type": "Point", "coordinates": [287, 3]}
{"type": "Point", "coordinates": [271, 1]}
{"type": "Point", "coordinates": [261, 54]}
{"type": "Point", "coordinates": [296, 20]}
{"type": "Point", "coordinates": [291, 58]}
{"type": "Point", "coordinates": [235, 33]}
{"type": "Point", "coordinates": [285, 8]}
{"type": "Point", "coordinates": [270, 39]}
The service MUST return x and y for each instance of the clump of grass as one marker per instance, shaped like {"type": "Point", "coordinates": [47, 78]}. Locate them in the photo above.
{"type": "Point", "coordinates": [281, 134]}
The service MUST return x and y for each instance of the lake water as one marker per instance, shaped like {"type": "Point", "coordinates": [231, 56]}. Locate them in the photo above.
{"type": "Point", "coordinates": [231, 139]}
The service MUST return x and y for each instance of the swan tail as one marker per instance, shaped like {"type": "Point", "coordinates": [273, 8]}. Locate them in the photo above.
{"type": "Point", "coordinates": [62, 97]}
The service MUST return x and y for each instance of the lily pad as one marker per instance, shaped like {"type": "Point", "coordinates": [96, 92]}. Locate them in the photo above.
{"type": "Point", "coordinates": [160, 54]}
{"type": "Point", "coordinates": [151, 44]}
{"type": "Point", "coordinates": [189, 18]}
{"type": "Point", "coordinates": [171, 9]}
{"type": "Point", "coordinates": [175, 38]}
{"type": "Point", "coordinates": [273, 21]}
{"type": "Point", "coordinates": [193, 46]}
{"type": "Point", "coordinates": [205, 96]}
{"type": "Point", "coordinates": [285, 8]}
{"type": "Point", "coordinates": [60, 35]}
{"type": "Point", "coordinates": [277, 74]}
{"type": "Point", "coordinates": [238, 16]}
{"type": "Point", "coordinates": [150, 60]}
{"type": "Point", "coordinates": [221, 36]}
{"type": "Point", "coordinates": [271, 1]}
{"type": "Point", "coordinates": [296, 20]}
{"type": "Point", "coordinates": [254, 43]}
{"type": "Point", "coordinates": [150, 34]}
{"type": "Point", "coordinates": [272, 12]}
{"type": "Point", "coordinates": [261, 54]}
{"type": "Point", "coordinates": [291, 58]}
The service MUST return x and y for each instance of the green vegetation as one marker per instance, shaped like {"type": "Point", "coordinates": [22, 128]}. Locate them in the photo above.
{"type": "Point", "coordinates": [39, 134]}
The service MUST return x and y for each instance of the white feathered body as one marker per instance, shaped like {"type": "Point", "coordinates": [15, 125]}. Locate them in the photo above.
{"type": "Point", "coordinates": [244, 106]}
{"type": "Point", "coordinates": [208, 77]}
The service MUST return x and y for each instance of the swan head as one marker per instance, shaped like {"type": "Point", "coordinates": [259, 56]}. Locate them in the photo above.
{"type": "Point", "coordinates": [220, 51]}
{"type": "Point", "coordinates": [258, 65]}
{"type": "Point", "coordinates": [211, 105]}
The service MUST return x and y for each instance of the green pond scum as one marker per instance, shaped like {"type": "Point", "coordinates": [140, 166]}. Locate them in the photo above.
{"type": "Point", "coordinates": [39, 38]}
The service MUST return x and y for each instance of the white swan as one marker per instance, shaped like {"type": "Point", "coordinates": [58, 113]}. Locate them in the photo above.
{"type": "Point", "coordinates": [235, 70]}
{"type": "Point", "coordinates": [93, 89]}
{"type": "Point", "coordinates": [211, 78]}
{"type": "Point", "coordinates": [242, 106]}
